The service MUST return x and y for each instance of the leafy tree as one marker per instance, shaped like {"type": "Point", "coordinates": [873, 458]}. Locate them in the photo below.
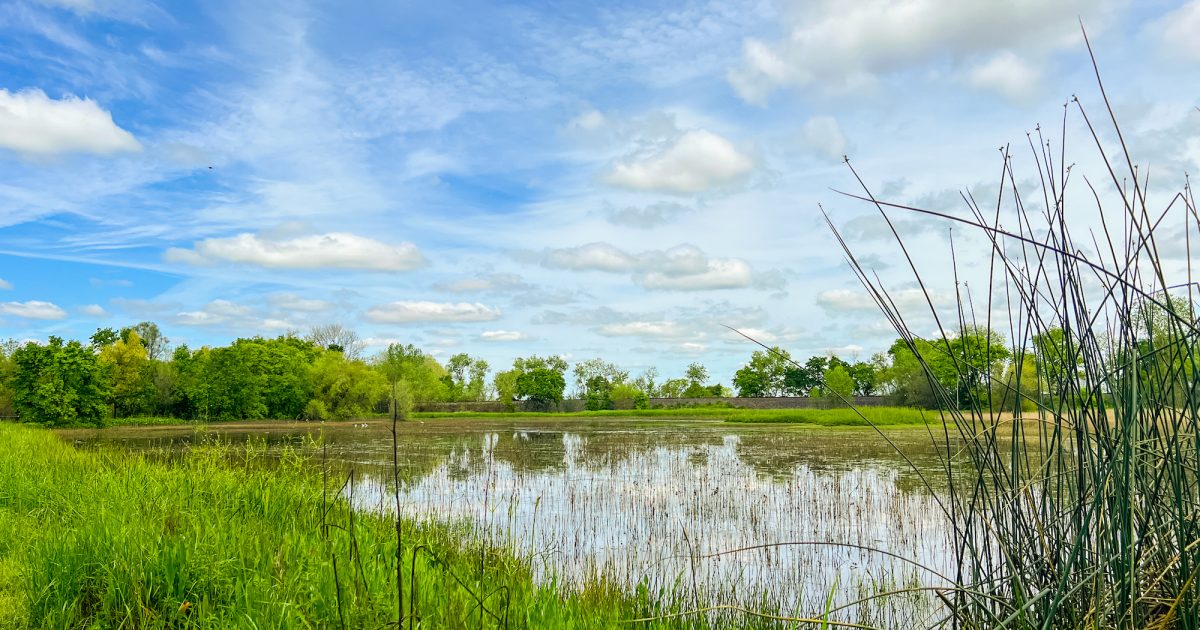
{"type": "Point", "coordinates": [599, 393]}
{"type": "Point", "coordinates": [534, 362]}
{"type": "Point", "coordinates": [342, 388]}
{"type": "Point", "coordinates": [59, 384]}
{"type": "Point", "coordinates": [542, 387]}
{"type": "Point", "coordinates": [152, 339]}
{"type": "Point", "coordinates": [7, 369]}
{"type": "Point", "coordinates": [647, 382]}
{"type": "Point", "coordinates": [673, 388]}
{"type": "Point", "coordinates": [1057, 364]}
{"type": "Point", "coordinates": [466, 377]}
{"type": "Point", "coordinates": [696, 373]}
{"type": "Point", "coordinates": [129, 374]}
{"type": "Point", "coordinates": [585, 371]}
{"type": "Point", "coordinates": [505, 384]}
{"type": "Point", "coordinates": [411, 375]}
{"type": "Point", "coordinates": [765, 375]}
{"type": "Point", "coordinates": [630, 392]}
{"type": "Point", "coordinates": [838, 383]}
{"type": "Point", "coordinates": [104, 337]}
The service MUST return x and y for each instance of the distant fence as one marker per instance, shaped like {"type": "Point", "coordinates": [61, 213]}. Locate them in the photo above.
{"type": "Point", "coordinates": [773, 402]}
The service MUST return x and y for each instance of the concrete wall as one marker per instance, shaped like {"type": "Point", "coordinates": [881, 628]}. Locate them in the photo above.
{"type": "Point", "coordinates": [780, 402]}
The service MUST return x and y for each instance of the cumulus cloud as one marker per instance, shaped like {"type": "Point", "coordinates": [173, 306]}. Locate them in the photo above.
{"type": "Point", "coordinates": [5, 285]}
{"type": "Point", "coordinates": [680, 268]}
{"type": "Point", "coordinates": [502, 335]}
{"type": "Point", "coordinates": [823, 136]}
{"type": "Point", "coordinates": [93, 310]}
{"type": "Point", "coordinates": [1006, 73]}
{"type": "Point", "coordinates": [214, 313]}
{"type": "Point", "coordinates": [335, 250]}
{"type": "Point", "coordinates": [652, 329]}
{"type": "Point", "coordinates": [647, 217]}
{"type": "Point", "coordinates": [844, 300]}
{"type": "Point", "coordinates": [33, 309]}
{"type": "Point", "coordinates": [698, 161]}
{"type": "Point", "coordinates": [1177, 30]}
{"type": "Point", "coordinates": [409, 311]}
{"type": "Point", "coordinates": [293, 302]}
{"type": "Point", "coordinates": [840, 47]}
{"type": "Point", "coordinates": [34, 124]}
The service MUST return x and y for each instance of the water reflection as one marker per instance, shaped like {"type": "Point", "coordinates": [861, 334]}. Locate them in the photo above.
{"type": "Point", "coordinates": [651, 504]}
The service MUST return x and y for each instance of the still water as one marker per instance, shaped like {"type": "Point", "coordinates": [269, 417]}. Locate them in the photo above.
{"type": "Point", "coordinates": [695, 511]}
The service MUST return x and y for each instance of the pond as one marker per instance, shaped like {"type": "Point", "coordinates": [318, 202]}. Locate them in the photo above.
{"type": "Point", "coordinates": [694, 511]}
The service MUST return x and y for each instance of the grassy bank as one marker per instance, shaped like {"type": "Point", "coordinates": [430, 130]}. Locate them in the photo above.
{"type": "Point", "coordinates": [822, 417]}
{"type": "Point", "coordinates": [227, 538]}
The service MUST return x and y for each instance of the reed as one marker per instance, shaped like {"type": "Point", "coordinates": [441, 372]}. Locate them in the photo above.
{"type": "Point", "coordinates": [1084, 510]}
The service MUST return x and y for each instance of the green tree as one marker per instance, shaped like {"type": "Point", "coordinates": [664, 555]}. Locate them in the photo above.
{"type": "Point", "coordinates": [585, 371]}
{"type": "Point", "coordinates": [599, 393]}
{"type": "Point", "coordinates": [765, 375]}
{"type": "Point", "coordinates": [343, 389]}
{"type": "Point", "coordinates": [155, 343]}
{"type": "Point", "coordinates": [541, 387]}
{"type": "Point", "coordinates": [505, 384]}
{"type": "Point", "coordinates": [128, 370]}
{"type": "Point", "coordinates": [466, 377]}
{"type": "Point", "coordinates": [839, 385]}
{"type": "Point", "coordinates": [7, 369]}
{"type": "Point", "coordinates": [59, 384]}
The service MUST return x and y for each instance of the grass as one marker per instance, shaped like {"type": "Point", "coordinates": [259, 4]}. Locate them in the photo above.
{"type": "Point", "coordinates": [228, 538]}
{"type": "Point", "coordinates": [822, 417]}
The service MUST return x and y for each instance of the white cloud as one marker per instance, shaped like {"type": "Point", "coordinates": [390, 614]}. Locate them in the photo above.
{"type": "Point", "coordinates": [214, 313]}
{"type": "Point", "coordinates": [839, 46]}
{"type": "Point", "coordinates": [32, 309]}
{"type": "Point", "coordinates": [824, 137]}
{"type": "Point", "coordinates": [34, 124]}
{"type": "Point", "coordinates": [292, 302]}
{"type": "Point", "coordinates": [718, 274]}
{"type": "Point", "coordinates": [1177, 30]}
{"type": "Point", "coordinates": [407, 311]}
{"type": "Point", "coordinates": [647, 217]}
{"type": "Point", "coordinates": [698, 161]}
{"type": "Point", "coordinates": [1007, 74]}
{"type": "Point", "coordinates": [655, 329]}
{"type": "Point", "coordinates": [680, 268]}
{"type": "Point", "coordinates": [859, 300]}
{"type": "Point", "coordinates": [336, 250]}
{"type": "Point", "coordinates": [502, 335]}
{"type": "Point", "coordinates": [5, 284]}
{"type": "Point", "coordinates": [93, 310]}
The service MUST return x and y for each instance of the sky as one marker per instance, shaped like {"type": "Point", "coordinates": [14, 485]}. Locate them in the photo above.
{"type": "Point", "coordinates": [620, 180]}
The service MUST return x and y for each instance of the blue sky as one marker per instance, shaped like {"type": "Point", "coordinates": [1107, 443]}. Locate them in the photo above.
{"type": "Point", "coordinates": [618, 180]}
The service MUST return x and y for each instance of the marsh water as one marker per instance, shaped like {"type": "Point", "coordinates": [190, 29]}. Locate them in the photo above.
{"type": "Point", "coordinates": [695, 511]}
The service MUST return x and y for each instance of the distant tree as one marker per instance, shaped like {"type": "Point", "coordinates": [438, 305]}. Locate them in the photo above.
{"type": "Point", "coordinates": [630, 392]}
{"type": "Point", "coordinates": [598, 393]}
{"type": "Point", "coordinates": [128, 370]}
{"type": "Point", "coordinates": [673, 388]}
{"type": "Point", "coordinates": [696, 373]}
{"type": "Point", "coordinates": [7, 368]}
{"type": "Point", "coordinates": [533, 362]}
{"type": "Point", "coordinates": [765, 375]}
{"type": "Point", "coordinates": [838, 384]}
{"type": "Point", "coordinates": [337, 337]}
{"type": "Point", "coordinates": [647, 382]}
{"type": "Point", "coordinates": [152, 339]}
{"type": "Point", "coordinates": [466, 377]}
{"type": "Point", "coordinates": [104, 337]}
{"type": "Point", "coordinates": [59, 384]}
{"type": "Point", "coordinates": [1058, 363]}
{"type": "Point", "coordinates": [343, 389]}
{"type": "Point", "coordinates": [541, 387]}
{"type": "Point", "coordinates": [585, 371]}
{"type": "Point", "coordinates": [411, 374]}
{"type": "Point", "coordinates": [505, 384]}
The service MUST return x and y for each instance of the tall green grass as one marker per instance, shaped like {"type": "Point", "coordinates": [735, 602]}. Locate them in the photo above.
{"type": "Point", "coordinates": [226, 537]}
{"type": "Point", "coordinates": [1085, 513]}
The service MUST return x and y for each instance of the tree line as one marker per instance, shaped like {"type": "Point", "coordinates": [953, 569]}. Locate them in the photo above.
{"type": "Point", "coordinates": [323, 375]}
